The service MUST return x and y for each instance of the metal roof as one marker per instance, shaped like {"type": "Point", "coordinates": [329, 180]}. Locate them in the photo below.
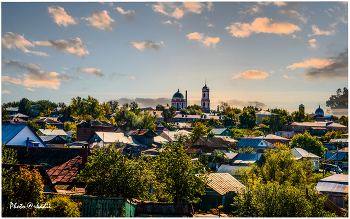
{"type": "Point", "coordinates": [218, 131]}
{"type": "Point", "coordinates": [160, 139]}
{"type": "Point", "coordinates": [231, 169]}
{"type": "Point", "coordinates": [340, 139]}
{"type": "Point", "coordinates": [249, 142]}
{"type": "Point", "coordinates": [9, 131]}
{"type": "Point", "coordinates": [336, 178]}
{"type": "Point", "coordinates": [223, 183]}
{"type": "Point", "coordinates": [332, 187]}
{"type": "Point", "coordinates": [300, 153]}
{"type": "Point", "coordinates": [109, 137]}
{"type": "Point", "coordinates": [333, 155]}
{"type": "Point", "coordinates": [247, 157]}
{"type": "Point", "coordinates": [231, 155]}
{"type": "Point", "coordinates": [52, 132]}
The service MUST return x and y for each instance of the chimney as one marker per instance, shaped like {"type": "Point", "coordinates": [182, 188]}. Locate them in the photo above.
{"type": "Point", "coordinates": [84, 154]}
{"type": "Point", "coordinates": [186, 99]}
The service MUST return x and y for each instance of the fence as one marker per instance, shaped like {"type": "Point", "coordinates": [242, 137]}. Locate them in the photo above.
{"type": "Point", "coordinates": [90, 207]}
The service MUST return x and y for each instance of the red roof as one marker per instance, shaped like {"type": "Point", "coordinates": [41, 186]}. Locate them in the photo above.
{"type": "Point", "coordinates": [66, 171]}
{"type": "Point", "coordinates": [140, 132]}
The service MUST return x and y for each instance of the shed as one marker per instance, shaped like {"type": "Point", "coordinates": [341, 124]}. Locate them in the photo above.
{"type": "Point", "coordinates": [336, 187]}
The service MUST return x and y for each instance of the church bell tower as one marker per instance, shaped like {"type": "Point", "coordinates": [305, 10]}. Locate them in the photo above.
{"type": "Point", "coordinates": [205, 102]}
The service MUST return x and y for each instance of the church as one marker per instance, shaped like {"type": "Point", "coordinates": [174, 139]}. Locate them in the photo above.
{"type": "Point", "coordinates": [180, 102]}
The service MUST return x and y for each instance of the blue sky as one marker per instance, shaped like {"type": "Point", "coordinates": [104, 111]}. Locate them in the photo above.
{"type": "Point", "coordinates": [277, 53]}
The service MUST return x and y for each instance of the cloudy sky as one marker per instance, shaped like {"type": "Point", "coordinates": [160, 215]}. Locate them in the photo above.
{"type": "Point", "coordinates": [276, 53]}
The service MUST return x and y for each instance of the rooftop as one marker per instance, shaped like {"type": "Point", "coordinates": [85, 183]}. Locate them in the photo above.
{"type": "Point", "coordinates": [224, 182]}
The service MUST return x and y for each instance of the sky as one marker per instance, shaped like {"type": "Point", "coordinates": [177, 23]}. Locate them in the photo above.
{"type": "Point", "coordinates": [279, 54]}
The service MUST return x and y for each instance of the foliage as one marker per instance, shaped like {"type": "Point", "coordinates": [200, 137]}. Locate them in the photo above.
{"type": "Point", "coordinates": [133, 121]}
{"type": "Point", "coordinates": [344, 121]}
{"type": "Point", "coordinates": [108, 173]}
{"type": "Point", "coordinates": [211, 134]}
{"type": "Point", "coordinates": [27, 187]}
{"type": "Point", "coordinates": [160, 107]}
{"type": "Point", "coordinates": [199, 129]}
{"type": "Point", "coordinates": [177, 176]}
{"type": "Point", "coordinates": [70, 126]}
{"type": "Point", "coordinates": [203, 159]}
{"type": "Point", "coordinates": [308, 143]}
{"type": "Point", "coordinates": [61, 206]}
{"type": "Point", "coordinates": [248, 150]}
{"type": "Point", "coordinates": [276, 200]}
{"type": "Point", "coordinates": [7, 181]}
{"type": "Point", "coordinates": [33, 125]}
{"type": "Point", "coordinates": [220, 157]}
{"type": "Point", "coordinates": [338, 101]}
{"type": "Point", "coordinates": [230, 119]}
{"type": "Point", "coordinates": [214, 122]}
{"type": "Point", "coordinates": [112, 121]}
{"type": "Point", "coordinates": [8, 155]}
{"type": "Point", "coordinates": [4, 113]}
{"type": "Point", "coordinates": [238, 133]}
{"type": "Point", "coordinates": [333, 135]}
{"type": "Point", "coordinates": [248, 118]}
{"type": "Point", "coordinates": [84, 106]}
{"type": "Point", "coordinates": [84, 117]}
{"type": "Point", "coordinates": [107, 108]}
{"type": "Point", "coordinates": [47, 126]}
{"type": "Point", "coordinates": [24, 106]}
{"type": "Point", "coordinates": [113, 105]}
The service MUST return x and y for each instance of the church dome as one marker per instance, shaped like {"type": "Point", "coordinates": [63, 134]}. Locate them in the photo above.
{"type": "Point", "coordinates": [178, 95]}
{"type": "Point", "coordinates": [319, 111]}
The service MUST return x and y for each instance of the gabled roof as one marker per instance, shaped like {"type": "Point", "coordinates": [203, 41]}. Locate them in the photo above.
{"type": "Point", "coordinates": [247, 157]}
{"type": "Point", "coordinates": [337, 183]}
{"type": "Point", "coordinates": [250, 142]}
{"type": "Point", "coordinates": [48, 121]}
{"type": "Point", "coordinates": [219, 131]}
{"type": "Point", "coordinates": [9, 131]}
{"type": "Point", "coordinates": [142, 132]}
{"type": "Point", "coordinates": [19, 115]}
{"type": "Point", "coordinates": [95, 123]}
{"type": "Point", "coordinates": [300, 153]}
{"type": "Point", "coordinates": [231, 155]}
{"type": "Point", "coordinates": [52, 132]}
{"type": "Point", "coordinates": [109, 137]}
{"type": "Point", "coordinates": [214, 141]}
{"type": "Point", "coordinates": [66, 171]}
{"type": "Point", "coordinates": [51, 137]}
{"type": "Point", "coordinates": [223, 183]}
{"type": "Point", "coordinates": [333, 155]}
{"type": "Point", "coordinates": [160, 139]}
{"type": "Point", "coordinates": [172, 135]}
{"type": "Point", "coordinates": [230, 169]}
{"type": "Point", "coordinates": [336, 178]}
{"type": "Point", "coordinates": [344, 140]}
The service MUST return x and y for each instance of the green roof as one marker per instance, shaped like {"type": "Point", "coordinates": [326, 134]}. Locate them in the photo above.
{"type": "Point", "coordinates": [178, 95]}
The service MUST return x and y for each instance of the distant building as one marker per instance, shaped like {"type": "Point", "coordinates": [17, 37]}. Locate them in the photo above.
{"type": "Point", "coordinates": [49, 121]}
{"type": "Point", "coordinates": [12, 110]}
{"type": "Point", "coordinates": [210, 144]}
{"type": "Point", "coordinates": [205, 101]}
{"type": "Point", "coordinates": [314, 128]}
{"type": "Point", "coordinates": [300, 153]}
{"type": "Point", "coordinates": [256, 144]}
{"type": "Point", "coordinates": [178, 100]}
{"type": "Point", "coordinates": [86, 129]}
{"type": "Point", "coordinates": [301, 107]}
{"type": "Point", "coordinates": [53, 141]}
{"type": "Point", "coordinates": [144, 136]}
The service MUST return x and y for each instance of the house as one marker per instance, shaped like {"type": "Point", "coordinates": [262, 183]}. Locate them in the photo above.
{"type": "Point", "coordinates": [210, 144]}
{"type": "Point", "coordinates": [86, 129]}
{"type": "Point", "coordinates": [222, 132]}
{"type": "Point", "coordinates": [102, 139]}
{"type": "Point", "coordinates": [274, 139]}
{"type": "Point", "coordinates": [301, 154]}
{"type": "Point", "coordinates": [159, 140]}
{"type": "Point", "coordinates": [144, 136]}
{"type": "Point", "coordinates": [345, 141]}
{"type": "Point", "coordinates": [191, 118]}
{"type": "Point", "coordinates": [12, 110]}
{"type": "Point", "coordinates": [53, 141]}
{"type": "Point", "coordinates": [314, 128]}
{"type": "Point", "coordinates": [14, 120]}
{"type": "Point", "coordinates": [159, 115]}
{"type": "Point", "coordinates": [160, 128]}
{"type": "Point", "coordinates": [259, 145]}
{"type": "Point", "coordinates": [49, 121]}
{"type": "Point", "coordinates": [222, 188]}
{"type": "Point", "coordinates": [53, 132]}
{"type": "Point", "coordinates": [48, 186]}
{"type": "Point", "coordinates": [336, 187]}
{"type": "Point", "coordinates": [286, 134]}
{"type": "Point", "coordinates": [20, 134]}
{"type": "Point", "coordinates": [340, 158]}
{"type": "Point", "coordinates": [244, 159]}
{"type": "Point", "coordinates": [171, 136]}
{"type": "Point", "coordinates": [19, 116]}
{"type": "Point", "coordinates": [235, 171]}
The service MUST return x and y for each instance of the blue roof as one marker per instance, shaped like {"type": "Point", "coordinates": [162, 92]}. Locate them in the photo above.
{"type": "Point", "coordinates": [333, 155]}
{"type": "Point", "coordinates": [9, 131]}
{"type": "Point", "coordinates": [249, 142]}
{"type": "Point", "coordinates": [247, 157]}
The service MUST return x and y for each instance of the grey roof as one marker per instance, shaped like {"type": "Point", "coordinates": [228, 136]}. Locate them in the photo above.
{"type": "Point", "coordinates": [218, 131]}
{"type": "Point", "coordinates": [231, 155]}
{"type": "Point", "coordinates": [247, 157]}
{"type": "Point", "coordinates": [341, 140]}
{"type": "Point", "coordinates": [50, 137]}
{"type": "Point", "coordinates": [250, 142]}
{"type": "Point", "coordinates": [300, 153]}
{"type": "Point", "coordinates": [10, 130]}
{"type": "Point", "coordinates": [336, 178]}
{"type": "Point", "coordinates": [332, 187]}
{"type": "Point", "coordinates": [230, 169]}
{"type": "Point", "coordinates": [20, 115]}
{"type": "Point", "coordinates": [53, 132]}
{"type": "Point", "coordinates": [333, 155]}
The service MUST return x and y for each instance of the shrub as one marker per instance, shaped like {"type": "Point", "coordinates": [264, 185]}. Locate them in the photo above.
{"type": "Point", "coordinates": [61, 206]}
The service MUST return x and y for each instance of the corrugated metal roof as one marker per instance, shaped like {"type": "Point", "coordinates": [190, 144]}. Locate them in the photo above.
{"type": "Point", "coordinates": [247, 157]}
{"type": "Point", "coordinates": [231, 155]}
{"type": "Point", "coordinates": [218, 131]}
{"type": "Point", "coordinates": [160, 139]}
{"type": "Point", "coordinates": [336, 178]}
{"type": "Point", "coordinates": [231, 169]}
{"type": "Point", "coordinates": [341, 139]}
{"type": "Point", "coordinates": [249, 142]}
{"type": "Point", "coordinates": [52, 132]}
{"type": "Point", "coordinates": [9, 131]}
{"type": "Point", "coordinates": [113, 137]}
{"type": "Point", "coordinates": [333, 155]}
{"type": "Point", "coordinates": [300, 153]}
{"type": "Point", "coordinates": [332, 187]}
{"type": "Point", "coordinates": [223, 183]}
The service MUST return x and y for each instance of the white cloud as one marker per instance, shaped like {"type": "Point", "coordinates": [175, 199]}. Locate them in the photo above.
{"type": "Point", "coordinates": [101, 20]}
{"type": "Point", "coordinates": [129, 15]}
{"type": "Point", "coordinates": [313, 43]}
{"type": "Point", "coordinates": [75, 46]}
{"type": "Point", "coordinates": [176, 10]}
{"type": "Point", "coordinates": [146, 44]}
{"type": "Point", "coordinates": [294, 14]}
{"type": "Point", "coordinates": [11, 80]}
{"type": "Point", "coordinates": [176, 24]}
{"type": "Point", "coordinates": [13, 41]}
{"type": "Point", "coordinates": [93, 71]}
{"type": "Point", "coordinates": [252, 10]}
{"type": "Point", "coordinates": [252, 74]}
{"type": "Point", "coordinates": [204, 40]}
{"type": "Point", "coordinates": [30, 89]}
{"type": "Point", "coordinates": [210, 25]}
{"type": "Point", "coordinates": [60, 17]}
{"type": "Point", "coordinates": [5, 92]}
{"type": "Point", "coordinates": [210, 6]}
{"type": "Point", "coordinates": [317, 31]}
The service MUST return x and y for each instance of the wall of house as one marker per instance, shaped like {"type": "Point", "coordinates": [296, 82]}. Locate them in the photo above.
{"type": "Point", "coordinates": [21, 137]}
{"type": "Point", "coordinates": [89, 131]}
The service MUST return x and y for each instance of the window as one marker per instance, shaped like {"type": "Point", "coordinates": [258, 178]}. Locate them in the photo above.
{"type": "Point", "coordinates": [203, 95]}
{"type": "Point", "coordinates": [36, 145]}
{"type": "Point", "coordinates": [203, 104]}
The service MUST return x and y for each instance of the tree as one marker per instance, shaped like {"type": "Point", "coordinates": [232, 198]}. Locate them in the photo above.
{"type": "Point", "coordinates": [60, 206]}
{"type": "Point", "coordinates": [230, 119]}
{"type": "Point", "coordinates": [9, 155]}
{"type": "Point", "coordinates": [109, 173]}
{"type": "Point", "coordinates": [25, 106]}
{"type": "Point", "coordinates": [220, 157]}
{"type": "Point", "coordinates": [47, 126]}
{"type": "Point", "coordinates": [62, 104]}
{"type": "Point", "coordinates": [248, 118]}
{"type": "Point", "coordinates": [106, 107]}
{"type": "Point", "coordinates": [159, 107]}
{"type": "Point", "coordinates": [338, 101]}
{"type": "Point", "coordinates": [113, 105]}
{"type": "Point", "coordinates": [199, 129]}
{"type": "Point", "coordinates": [276, 200]}
{"type": "Point", "coordinates": [134, 106]}
{"type": "Point", "coordinates": [27, 187]}
{"type": "Point", "coordinates": [178, 177]}
{"type": "Point", "coordinates": [308, 143]}
{"type": "Point", "coordinates": [203, 159]}
{"type": "Point", "coordinates": [344, 121]}
{"type": "Point", "coordinates": [70, 126]}
{"type": "Point", "coordinates": [33, 125]}
{"type": "Point", "coordinates": [5, 115]}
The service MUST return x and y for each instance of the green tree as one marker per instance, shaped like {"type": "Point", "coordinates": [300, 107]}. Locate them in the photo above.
{"type": "Point", "coordinates": [70, 126]}
{"type": "Point", "coordinates": [9, 155]}
{"type": "Point", "coordinates": [24, 106]}
{"type": "Point", "coordinates": [109, 173]}
{"type": "Point", "coordinates": [106, 107]}
{"type": "Point", "coordinates": [344, 121]}
{"type": "Point", "coordinates": [60, 206]}
{"type": "Point", "coordinates": [160, 107]}
{"type": "Point", "coordinates": [338, 101]}
{"type": "Point", "coordinates": [230, 119]}
{"type": "Point", "coordinates": [113, 104]}
{"type": "Point", "coordinates": [203, 159]}
{"type": "Point", "coordinates": [199, 129]}
{"type": "Point", "coordinates": [220, 156]}
{"type": "Point", "coordinates": [5, 115]}
{"type": "Point", "coordinates": [178, 177]}
{"type": "Point", "coordinates": [134, 106]}
{"type": "Point", "coordinates": [308, 143]}
{"type": "Point", "coordinates": [33, 125]}
{"type": "Point", "coordinates": [248, 118]}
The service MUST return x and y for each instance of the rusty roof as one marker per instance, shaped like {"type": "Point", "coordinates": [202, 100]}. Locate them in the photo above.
{"type": "Point", "coordinates": [142, 132]}
{"type": "Point", "coordinates": [224, 182]}
{"type": "Point", "coordinates": [66, 171]}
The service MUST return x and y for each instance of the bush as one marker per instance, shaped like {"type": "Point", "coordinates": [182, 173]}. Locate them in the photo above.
{"type": "Point", "coordinates": [61, 206]}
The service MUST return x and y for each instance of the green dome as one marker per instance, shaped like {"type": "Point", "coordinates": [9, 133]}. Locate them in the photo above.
{"type": "Point", "coordinates": [205, 87]}
{"type": "Point", "coordinates": [178, 95]}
